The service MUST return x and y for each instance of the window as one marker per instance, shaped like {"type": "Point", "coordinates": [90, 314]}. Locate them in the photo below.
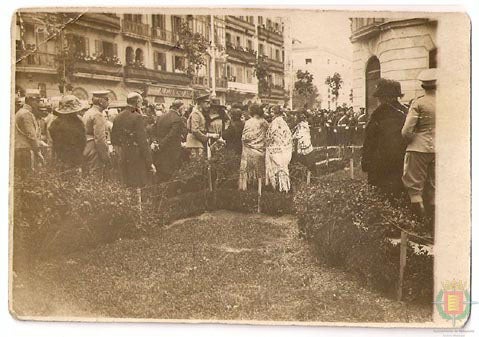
{"type": "Point", "coordinates": [129, 57]}
{"type": "Point", "coordinates": [43, 89]}
{"type": "Point", "coordinates": [179, 63]}
{"type": "Point", "coordinates": [261, 49]}
{"type": "Point", "coordinates": [250, 44]}
{"type": "Point", "coordinates": [79, 45]}
{"type": "Point", "coordinates": [159, 61]}
{"type": "Point", "coordinates": [238, 41]}
{"type": "Point", "coordinates": [433, 58]}
{"type": "Point", "coordinates": [228, 38]}
{"type": "Point", "coordinates": [278, 57]}
{"type": "Point", "coordinates": [158, 21]}
{"type": "Point", "coordinates": [105, 49]}
{"type": "Point", "coordinates": [308, 61]}
{"type": "Point", "coordinates": [328, 61]}
{"type": "Point", "coordinates": [176, 24]}
{"type": "Point", "coordinates": [249, 76]}
{"type": "Point", "coordinates": [276, 26]}
{"type": "Point", "coordinates": [239, 74]}
{"type": "Point", "coordinates": [260, 20]}
{"type": "Point", "coordinates": [251, 19]}
{"type": "Point", "coordinates": [139, 55]}
{"type": "Point", "coordinates": [268, 24]}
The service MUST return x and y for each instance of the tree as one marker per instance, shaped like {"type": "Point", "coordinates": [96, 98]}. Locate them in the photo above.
{"type": "Point", "coordinates": [305, 93]}
{"type": "Point", "coordinates": [195, 47]}
{"type": "Point", "coordinates": [335, 83]}
{"type": "Point", "coordinates": [262, 73]}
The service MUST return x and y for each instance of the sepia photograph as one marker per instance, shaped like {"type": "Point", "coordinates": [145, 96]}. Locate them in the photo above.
{"type": "Point", "coordinates": [258, 166]}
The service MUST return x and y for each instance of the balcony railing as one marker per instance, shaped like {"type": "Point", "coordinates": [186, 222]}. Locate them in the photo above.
{"type": "Point", "coordinates": [156, 75]}
{"type": "Point", "coordinates": [103, 20]}
{"type": "Point", "coordinates": [200, 81]}
{"type": "Point", "coordinates": [135, 29]}
{"type": "Point", "coordinates": [98, 68]}
{"type": "Point", "coordinates": [270, 34]}
{"type": "Point", "coordinates": [242, 24]}
{"type": "Point", "coordinates": [241, 53]}
{"type": "Point", "coordinates": [38, 60]}
{"type": "Point", "coordinates": [273, 90]}
{"type": "Point", "coordinates": [159, 34]}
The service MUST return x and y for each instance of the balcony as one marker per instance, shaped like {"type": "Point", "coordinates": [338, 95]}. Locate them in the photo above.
{"type": "Point", "coordinates": [221, 82]}
{"type": "Point", "coordinates": [275, 91]}
{"type": "Point", "coordinates": [270, 35]}
{"type": "Point", "coordinates": [245, 55]}
{"type": "Point", "coordinates": [97, 70]}
{"type": "Point", "coordinates": [162, 36]}
{"type": "Point", "coordinates": [162, 77]}
{"type": "Point", "coordinates": [35, 62]}
{"type": "Point", "coordinates": [241, 25]}
{"type": "Point", "coordinates": [250, 88]}
{"type": "Point", "coordinates": [101, 21]}
{"type": "Point", "coordinates": [201, 81]}
{"type": "Point", "coordinates": [274, 64]}
{"type": "Point", "coordinates": [135, 29]}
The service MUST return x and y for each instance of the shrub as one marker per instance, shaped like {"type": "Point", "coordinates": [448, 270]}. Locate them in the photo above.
{"type": "Point", "coordinates": [350, 223]}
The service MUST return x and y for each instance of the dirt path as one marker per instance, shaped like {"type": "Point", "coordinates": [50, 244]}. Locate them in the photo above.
{"type": "Point", "coordinates": [219, 266]}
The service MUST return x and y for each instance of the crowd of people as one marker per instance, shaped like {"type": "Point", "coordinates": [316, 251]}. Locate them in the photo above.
{"type": "Point", "coordinates": [148, 145]}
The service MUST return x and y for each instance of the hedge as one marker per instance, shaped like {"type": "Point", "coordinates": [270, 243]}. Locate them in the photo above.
{"type": "Point", "coordinates": [350, 225]}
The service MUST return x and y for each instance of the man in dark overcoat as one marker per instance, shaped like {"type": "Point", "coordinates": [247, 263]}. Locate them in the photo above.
{"type": "Point", "coordinates": [128, 136]}
{"type": "Point", "coordinates": [167, 135]}
{"type": "Point", "coordinates": [384, 146]}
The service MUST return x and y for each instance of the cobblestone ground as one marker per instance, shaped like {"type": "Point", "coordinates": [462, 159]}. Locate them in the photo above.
{"type": "Point", "coordinates": [218, 266]}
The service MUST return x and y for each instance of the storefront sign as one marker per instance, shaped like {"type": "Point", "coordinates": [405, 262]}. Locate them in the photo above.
{"type": "Point", "coordinates": [170, 92]}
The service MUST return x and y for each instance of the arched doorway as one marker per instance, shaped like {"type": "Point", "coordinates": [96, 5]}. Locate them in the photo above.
{"type": "Point", "coordinates": [373, 74]}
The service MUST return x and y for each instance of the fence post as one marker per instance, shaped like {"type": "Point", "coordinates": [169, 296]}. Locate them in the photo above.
{"type": "Point", "coordinates": [259, 195]}
{"type": "Point", "coordinates": [402, 263]}
{"type": "Point", "coordinates": [351, 163]}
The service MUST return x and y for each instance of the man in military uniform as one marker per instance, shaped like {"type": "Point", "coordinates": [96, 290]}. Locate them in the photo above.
{"type": "Point", "coordinates": [128, 136]}
{"type": "Point", "coordinates": [96, 155]}
{"type": "Point", "coordinates": [196, 125]}
{"type": "Point", "coordinates": [27, 136]}
{"type": "Point", "coordinates": [419, 162]}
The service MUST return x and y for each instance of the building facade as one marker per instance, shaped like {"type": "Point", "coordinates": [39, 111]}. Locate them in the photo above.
{"type": "Point", "coordinates": [128, 52]}
{"type": "Point", "coordinates": [322, 63]}
{"type": "Point", "coordinates": [393, 49]}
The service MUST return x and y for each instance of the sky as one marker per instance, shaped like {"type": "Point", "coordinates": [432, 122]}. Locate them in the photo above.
{"type": "Point", "coordinates": [328, 30]}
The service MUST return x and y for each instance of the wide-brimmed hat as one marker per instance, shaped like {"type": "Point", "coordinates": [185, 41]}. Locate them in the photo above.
{"type": "Point", "coordinates": [388, 88]}
{"type": "Point", "coordinates": [69, 104]}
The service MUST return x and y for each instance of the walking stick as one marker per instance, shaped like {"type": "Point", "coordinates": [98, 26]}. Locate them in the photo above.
{"type": "Point", "coordinates": [402, 263]}
{"type": "Point", "coordinates": [208, 156]}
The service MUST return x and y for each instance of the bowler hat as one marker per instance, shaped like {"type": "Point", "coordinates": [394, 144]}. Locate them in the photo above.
{"type": "Point", "coordinates": [388, 88]}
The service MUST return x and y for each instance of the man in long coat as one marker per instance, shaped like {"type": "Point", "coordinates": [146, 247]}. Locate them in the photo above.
{"type": "Point", "coordinates": [167, 134]}
{"type": "Point", "coordinates": [384, 147]}
{"type": "Point", "coordinates": [128, 136]}
{"type": "Point", "coordinates": [27, 141]}
{"type": "Point", "coordinates": [96, 155]}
